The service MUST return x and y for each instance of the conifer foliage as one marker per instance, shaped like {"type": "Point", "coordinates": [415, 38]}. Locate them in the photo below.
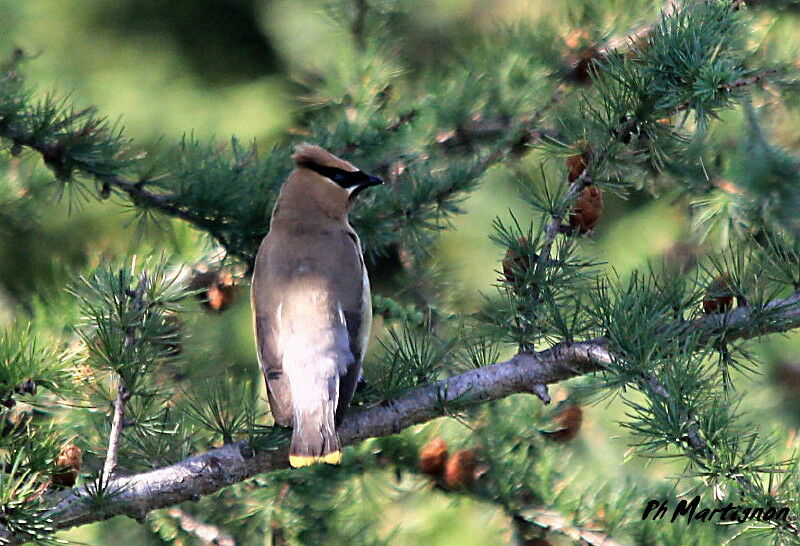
{"type": "Point", "coordinates": [98, 418]}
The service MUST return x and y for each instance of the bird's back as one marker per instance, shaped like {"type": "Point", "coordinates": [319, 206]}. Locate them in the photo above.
{"type": "Point", "coordinates": [297, 320]}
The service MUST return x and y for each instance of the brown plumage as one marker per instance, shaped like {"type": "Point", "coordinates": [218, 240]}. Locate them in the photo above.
{"type": "Point", "coordinates": [308, 155]}
{"type": "Point", "coordinates": [311, 302]}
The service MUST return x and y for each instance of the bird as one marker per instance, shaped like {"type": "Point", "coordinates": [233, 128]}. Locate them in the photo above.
{"type": "Point", "coordinates": [311, 303]}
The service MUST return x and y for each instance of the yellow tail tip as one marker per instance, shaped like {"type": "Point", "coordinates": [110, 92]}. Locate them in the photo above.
{"type": "Point", "coordinates": [299, 461]}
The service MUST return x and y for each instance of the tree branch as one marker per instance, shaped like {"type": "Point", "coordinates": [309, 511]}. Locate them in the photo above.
{"type": "Point", "coordinates": [115, 435]}
{"type": "Point", "coordinates": [209, 472]}
{"type": "Point", "coordinates": [136, 191]}
{"type": "Point", "coordinates": [123, 394]}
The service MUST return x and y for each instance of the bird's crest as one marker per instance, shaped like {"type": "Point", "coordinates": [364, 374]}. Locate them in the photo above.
{"type": "Point", "coordinates": [306, 155]}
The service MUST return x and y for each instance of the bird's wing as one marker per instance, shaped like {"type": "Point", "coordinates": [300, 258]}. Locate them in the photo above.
{"type": "Point", "coordinates": [358, 318]}
{"type": "Point", "coordinates": [264, 297]}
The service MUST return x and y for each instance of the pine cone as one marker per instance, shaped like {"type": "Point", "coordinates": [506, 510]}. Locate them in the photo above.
{"type": "Point", "coordinates": [587, 210]}
{"type": "Point", "coordinates": [433, 457]}
{"type": "Point", "coordinates": [216, 289]}
{"type": "Point", "coordinates": [581, 54]}
{"type": "Point", "coordinates": [513, 259]}
{"type": "Point", "coordinates": [70, 459]}
{"type": "Point", "coordinates": [570, 419]}
{"type": "Point", "coordinates": [28, 386]}
{"type": "Point", "coordinates": [459, 473]}
{"type": "Point", "coordinates": [681, 257]}
{"type": "Point", "coordinates": [719, 296]}
{"type": "Point", "coordinates": [579, 64]}
{"type": "Point", "coordinates": [787, 375]}
{"type": "Point", "coordinates": [15, 423]}
{"type": "Point", "coordinates": [576, 164]}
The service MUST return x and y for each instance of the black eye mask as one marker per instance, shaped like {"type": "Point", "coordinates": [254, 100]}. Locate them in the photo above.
{"type": "Point", "coordinates": [357, 180]}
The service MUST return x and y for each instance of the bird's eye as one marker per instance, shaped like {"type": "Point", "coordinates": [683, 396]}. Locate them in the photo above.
{"type": "Point", "coordinates": [340, 178]}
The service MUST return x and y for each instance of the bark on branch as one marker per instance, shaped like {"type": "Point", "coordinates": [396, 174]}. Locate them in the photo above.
{"type": "Point", "coordinates": [114, 437]}
{"type": "Point", "coordinates": [209, 472]}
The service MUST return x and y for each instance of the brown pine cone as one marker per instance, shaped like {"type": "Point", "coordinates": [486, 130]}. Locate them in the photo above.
{"type": "Point", "coordinates": [569, 419]}
{"type": "Point", "coordinates": [681, 257]}
{"type": "Point", "coordinates": [433, 457]}
{"type": "Point", "coordinates": [513, 259]}
{"type": "Point", "coordinates": [70, 459]}
{"type": "Point", "coordinates": [582, 52]}
{"type": "Point", "coordinates": [587, 210]}
{"type": "Point", "coordinates": [787, 375]}
{"type": "Point", "coordinates": [216, 289]}
{"type": "Point", "coordinates": [576, 164]}
{"type": "Point", "coordinates": [459, 473]}
{"type": "Point", "coordinates": [579, 64]}
{"type": "Point", "coordinates": [719, 296]}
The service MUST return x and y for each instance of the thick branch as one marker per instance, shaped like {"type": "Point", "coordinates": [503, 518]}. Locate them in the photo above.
{"type": "Point", "coordinates": [215, 469]}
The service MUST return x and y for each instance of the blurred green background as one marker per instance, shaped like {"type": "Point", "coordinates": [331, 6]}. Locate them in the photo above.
{"type": "Point", "coordinates": [218, 68]}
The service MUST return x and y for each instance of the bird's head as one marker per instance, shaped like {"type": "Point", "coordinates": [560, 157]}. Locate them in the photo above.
{"type": "Point", "coordinates": [333, 170]}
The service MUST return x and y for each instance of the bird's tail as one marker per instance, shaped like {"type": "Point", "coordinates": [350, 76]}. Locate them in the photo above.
{"type": "Point", "coordinates": [314, 438]}
{"type": "Point", "coordinates": [315, 394]}
{"type": "Point", "coordinates": [316, 353]}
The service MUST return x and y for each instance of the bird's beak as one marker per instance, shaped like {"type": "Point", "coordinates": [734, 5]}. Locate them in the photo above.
{"type": "Point", "coordinates": [367, 180]}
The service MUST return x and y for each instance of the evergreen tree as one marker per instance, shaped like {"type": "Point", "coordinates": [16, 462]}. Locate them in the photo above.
{"type": "Point", "coordinates": [106, 412]}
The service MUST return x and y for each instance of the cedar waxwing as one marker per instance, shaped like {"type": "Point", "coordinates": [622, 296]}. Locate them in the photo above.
{"type": "Point", "coordinates": [311, 303]}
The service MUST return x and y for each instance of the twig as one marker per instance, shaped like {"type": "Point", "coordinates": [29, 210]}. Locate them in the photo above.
{"type": "Point", "coordinates": [743, 82]}
{"type": "Point", "coordinates": [750, 80]}
{"type": "Point", "coordinates": [123, 395]}
{"type": "Point", "coordinates": [139, 194]}
{"type": "Point", "coordinates": [554, 226]}
{"type": "Point", "coordinates": [114, 437]}
{"type": "Point", "coordinates": [164, 203]}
